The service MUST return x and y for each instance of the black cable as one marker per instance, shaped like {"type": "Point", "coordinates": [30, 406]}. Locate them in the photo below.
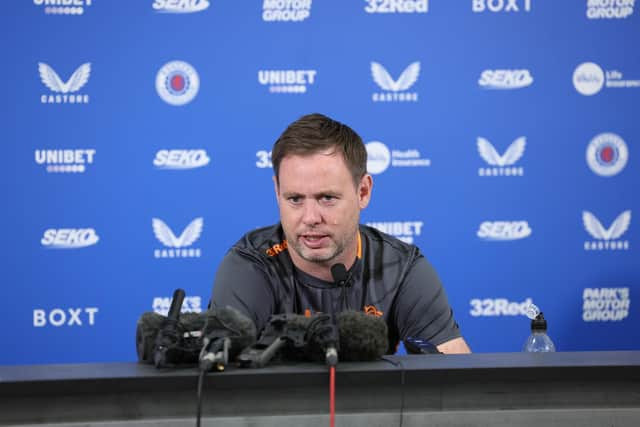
{"type": "Point", "coordinates": [200, 381]}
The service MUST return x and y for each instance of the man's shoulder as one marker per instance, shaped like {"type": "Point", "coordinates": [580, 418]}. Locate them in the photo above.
{"type": "Point", "coordinates": [263, 242]}
{"type": "Point", "coordinates": [378, 240]}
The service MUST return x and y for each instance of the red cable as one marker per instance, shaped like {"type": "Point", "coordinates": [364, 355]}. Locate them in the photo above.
{"type": "Point", "coordinates": [332, 396]}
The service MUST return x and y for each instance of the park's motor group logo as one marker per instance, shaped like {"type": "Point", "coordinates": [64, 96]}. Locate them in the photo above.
{"type": "Point", "coordinates": [64, 92]}
{"type": "Point", "coordinates": [609, 9]}
{"type": "Point", "coordinates": [286, 10]}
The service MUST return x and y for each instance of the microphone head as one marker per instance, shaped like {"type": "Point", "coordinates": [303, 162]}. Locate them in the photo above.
{"type": "Point", "coordinates": [229, 322]}
{"type": "Point", "coordinates": [362, 337]}
{"type": "Point", "coordinates": [339, 273]}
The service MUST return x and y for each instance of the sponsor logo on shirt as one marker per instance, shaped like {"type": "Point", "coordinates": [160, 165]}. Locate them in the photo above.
{"type": "Point", "coordinates": [379, 158]}
{"type": "Point", "coordinates": [371, 310]}
{"type": "Point", "coordinates": [397, 6]}
{"type": "Point", "coordinates": [65, 161]}
{"type": "Point", "coordinates": [178, 247]}
{"type": "Point", "coordinates": [501, 165]}
{"type": "Point", "coordinates": [505, 79]}
{"type": "Point", "coordinates": [286, 10]}
{"type": "Point", "coordinates": [589, 78]}
{"type": "Point", "coordinates": [605, 304]}
{"type": "Point", "coordinates": [607, 154]}
{"type": "Point", "coordinates": [181, 159]}
{"type": "Point", "coordinates": [60, 317]}
{"type": "Point", "coordinates": [504, 230]}
{"type": "Point", "coordinates": [403, 230]}
{"type": "Point", "coordinates": [494, 307]}
{"type": "Point", "coordinates": [395, 90]}
{"type": "Point", "coordinates": [497, 6]}
{"type": "Point", "coordinates": [64, 92]}
{"type": "Point", "coordinates": [287, 81]}
{"type": "Point", "coordinates": [180, 6]}
{"type": "Point", "coordinates": [69, 238]}
{"type": "Point", "coordinates": [177, 83]}
{"type": "Point", "coordinates": [609, 9]}
{"type": "Point", "coordinates": [606, 238]}
{"type": "Point", "coordinates": [63, 7]}
{"type": "Point", "coordinates": [191, 304]}
{"type": "Point", "coordinates": [277, 248]}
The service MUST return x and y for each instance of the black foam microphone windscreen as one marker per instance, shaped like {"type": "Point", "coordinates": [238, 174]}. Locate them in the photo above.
{"type": "Point", "coordinates": [229, 322]}
{"type": "Point", "coordinates": [363, 337]}
{"type": "Point", "coordinates": [339, 274]}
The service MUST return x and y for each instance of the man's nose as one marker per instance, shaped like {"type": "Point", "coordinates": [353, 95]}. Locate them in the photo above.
{"type": "Point", "coordinates": [311, 214]}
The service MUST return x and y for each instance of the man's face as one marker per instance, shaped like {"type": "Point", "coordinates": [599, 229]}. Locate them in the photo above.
{"type": "Point", "coordinates": [320, 208]}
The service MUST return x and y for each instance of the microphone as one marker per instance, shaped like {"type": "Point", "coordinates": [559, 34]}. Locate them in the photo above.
{"type": "Point", "coordinates": [168, 335]}
{"type": "Point", "coordinates": [339, 274]}
{"type": "Point", "coordinates": [226, 333]}
{"type": "Point", "coordinates": [362, 337]}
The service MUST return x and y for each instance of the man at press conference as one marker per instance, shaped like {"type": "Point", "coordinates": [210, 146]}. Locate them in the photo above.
{"type": "Point", "coordinates": [321, 185]}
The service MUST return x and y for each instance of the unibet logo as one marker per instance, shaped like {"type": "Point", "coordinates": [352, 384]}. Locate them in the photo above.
{"type": "Point", "coordinates": [505, 79]}
{"type": "Point", "coordinates": [287, 81]}
{"type": "Point", "coordinates": [499, 162]}
{"type": "Point", "coordinates": [607, 154]}
{"type": "Point", "coordinates": [396, 89]}
{"type": "Point", "coordinates": [65, 90]}
{"type": "Point", "coordinates": [193, 304]}
{"type": "Point", "coordinates": [397, 6]}
{"type": "Point", "coordinates": [65, 160]}
{"type": "Point", "coordinates": [479, 6]}
{"type": "Point", "coordinates": [605, 304]}
{"type": "Point", "coordinates": [609, 9]}
{"type": "Point", "coordinates": [403, 230]}
{"type": "Point", "coordinates": [65, 317]}
{"type": "Point", "coordinates": [181, 159]}
{"type": "Point", "coordinates": [69, 238]}
{"type": "Point", "coordinates": [178, 245]}
{"type": "Point", "coordinates": [493, 307]}
{"type": "Point", "coordinates": [180, 6]}
{"type": "Point", "coordinates": [286, 10]}
{"type": "Point", "coordinates": [63, 7]}
{"type": "Point", "coordinates": [607, 239]}
{"type": "Point", "coordinates": [504, 230]}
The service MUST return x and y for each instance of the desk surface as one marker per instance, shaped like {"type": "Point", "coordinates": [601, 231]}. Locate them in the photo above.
{"type": "Point", "coordinates": [590, 388]}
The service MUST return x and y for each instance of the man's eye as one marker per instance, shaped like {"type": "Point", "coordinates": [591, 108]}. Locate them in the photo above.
{"type": "Point", "coordinates": [294, 199]}
{"type": "Point", "coordinates": [328, 198]}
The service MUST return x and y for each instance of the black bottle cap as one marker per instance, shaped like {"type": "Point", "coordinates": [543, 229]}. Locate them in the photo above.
{"type": "Point", "coordinates": [539, 323]}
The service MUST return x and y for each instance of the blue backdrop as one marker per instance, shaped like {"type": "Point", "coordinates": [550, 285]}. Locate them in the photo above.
{"type": "Point", "coordinates": [137, 140]}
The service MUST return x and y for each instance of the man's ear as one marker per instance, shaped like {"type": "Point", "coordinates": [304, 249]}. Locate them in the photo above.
{"type": "Point", "coordinates": [364, 191]}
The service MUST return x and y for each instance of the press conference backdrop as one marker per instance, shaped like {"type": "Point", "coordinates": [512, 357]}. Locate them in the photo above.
{"type": "Point", "coordinates": [502, 138]}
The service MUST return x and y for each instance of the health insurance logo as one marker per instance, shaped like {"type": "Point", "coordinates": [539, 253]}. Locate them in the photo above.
{"type": "Point", "coordinates": [395, 90]}
{"type": "Point", "coordinates": [379, 158]}
{"type": "Point", "coordinates": [589, 79]}
{"type": "Point", "coordinates": [501, 165]}
{"type": "Point", "coordinates": [606, 239]}
{"type": "Point", "coordinates": [177, 247]}
{"type": "Point", "coordinates": [64, 92]}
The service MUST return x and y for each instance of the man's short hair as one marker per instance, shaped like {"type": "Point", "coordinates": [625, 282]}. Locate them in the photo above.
{"type": "Point", "coordinates": [316, 133]}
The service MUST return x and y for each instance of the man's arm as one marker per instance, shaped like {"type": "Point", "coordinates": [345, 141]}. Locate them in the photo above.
{"type": "Point", "coordinates": [423, 311]}
{"type": "Point", "coordinates": [454, 346]}
{"type": "Point", "coordinates": [242, 284]}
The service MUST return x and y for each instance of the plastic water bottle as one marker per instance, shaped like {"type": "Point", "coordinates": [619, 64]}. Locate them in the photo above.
{"type": "Point", "coordinates": [538, 341]}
